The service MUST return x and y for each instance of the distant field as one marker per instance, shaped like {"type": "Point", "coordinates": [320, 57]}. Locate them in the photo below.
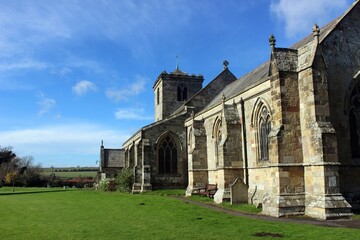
{"type": "Point", "coordinates": [89, 214]}
{"type": "Point", "coordinates": [71, 172]}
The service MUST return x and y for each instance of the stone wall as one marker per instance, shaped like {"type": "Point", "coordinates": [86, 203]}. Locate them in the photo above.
{"type": "Point", "coordinates": [197, 156]}
{"type": "Point", "coordinates": [154, 134]}
{"type": "Point", "coordinates": [341, 50]}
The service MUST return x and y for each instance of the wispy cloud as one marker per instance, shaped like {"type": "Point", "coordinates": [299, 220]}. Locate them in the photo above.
{"type": "Point", "coordinates": [300, 16]}
{"type": "Point", "coordinates": [124, 93]}
{"type": "Point", "coordinates": [23, 64]}
{"type": "Point", "coordinates": [76, 139]}
{"type": "Point", "coordinates": [132, 114]}
{"type": "Point", "coordinates": [84, 87]}
{"type": "Point", "coordinates": [45, 104]}
{"type": "Point", "coordinates": [44, 22]}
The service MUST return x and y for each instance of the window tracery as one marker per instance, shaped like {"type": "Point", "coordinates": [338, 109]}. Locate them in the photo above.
{"type": "Point", "coordinates": [354, 122]}
{"type": "Point", "coordinates": [264, 127]}
{"type": "Point", "coordinates": [167, 156]}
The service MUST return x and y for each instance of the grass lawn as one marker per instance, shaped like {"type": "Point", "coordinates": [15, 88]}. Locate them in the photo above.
{"type": "Point", "coordinates": [87, 214]}
{"type": "Point", "coordinates": [356, 215]}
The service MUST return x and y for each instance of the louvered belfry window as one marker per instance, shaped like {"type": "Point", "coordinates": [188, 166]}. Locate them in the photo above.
{"type": "Point", "coordinates": [182, 92]}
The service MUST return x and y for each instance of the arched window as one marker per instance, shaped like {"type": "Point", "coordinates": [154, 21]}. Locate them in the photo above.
{"type": "Point", "coordinates": [217, 135]}
{"type": "Point", "coordinates": [167, 154]}
{"type": "Point", "coordinates": [264, 127]}
{"type": "Point", "coordinates": [157, 96]}
{"type": "Point", "coordinates": [354, 122]}
{"type": "Point", "coordinates": [182, 92]}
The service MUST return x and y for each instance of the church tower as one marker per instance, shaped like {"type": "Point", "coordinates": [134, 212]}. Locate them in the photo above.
{"type": "Point", "coordinates": [171, 90]}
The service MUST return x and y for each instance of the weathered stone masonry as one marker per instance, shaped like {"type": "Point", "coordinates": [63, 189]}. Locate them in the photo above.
{"type": "Point", "coordinates": [285, 136]}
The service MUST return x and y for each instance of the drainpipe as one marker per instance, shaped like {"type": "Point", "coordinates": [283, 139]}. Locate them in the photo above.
{"type": "Point", "coordinates": [245, 142]}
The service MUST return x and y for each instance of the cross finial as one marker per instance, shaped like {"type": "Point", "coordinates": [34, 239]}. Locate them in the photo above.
{"type": "Point", "coordinates": [177, 62]}
{"type": "Point", "coordinates": [316, 32]}
{"type": "Point", "coordinates": [226, 64]}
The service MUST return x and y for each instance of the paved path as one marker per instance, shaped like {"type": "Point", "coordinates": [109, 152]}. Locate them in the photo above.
{"type": "Point", "coordinates": [344, 223]}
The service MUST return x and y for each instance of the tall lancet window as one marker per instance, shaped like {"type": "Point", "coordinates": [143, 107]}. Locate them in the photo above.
{"type": "Point", "coordinates": [182, 92]}
{"type": "Point", "coordinates": [264, 130]}
{"type": "Point", "coordinates": [217, 135]}
{"type": "Point", "coordinates": [167, 154]}
{"type": "Point", "coordinates": [354, 121]}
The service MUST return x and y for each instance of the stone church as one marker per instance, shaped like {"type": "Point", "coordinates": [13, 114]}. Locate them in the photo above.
{"type": "Point", "coordinates": [288, 131]}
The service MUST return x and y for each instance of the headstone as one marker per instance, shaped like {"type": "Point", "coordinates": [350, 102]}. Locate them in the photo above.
{"type": "Point", "coordinates": [238, 192]}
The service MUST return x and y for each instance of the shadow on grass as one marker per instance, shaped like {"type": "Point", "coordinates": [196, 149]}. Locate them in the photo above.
{"type": "Point", "coordinates": [32, 192]}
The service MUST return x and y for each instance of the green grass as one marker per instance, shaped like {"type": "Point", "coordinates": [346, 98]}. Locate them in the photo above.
{"type": "Point", "coordinates": [167, 192]}
{"type": "Point", "coordinates": [29, 190]}
{"type": "Point", "coordinates": [246, 208]}
{"type": "Point", "coordinates": [356, 215]}
{"type": "Point", "coordinates": [87, 214]}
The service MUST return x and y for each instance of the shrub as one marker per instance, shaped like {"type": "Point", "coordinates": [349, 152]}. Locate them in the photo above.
{"type": "Point", "coordinates": [104, 184]}
{"type": "Point", "coordinates": [112, 186]}
{"type": "Point", "coordinates": [125, 180]}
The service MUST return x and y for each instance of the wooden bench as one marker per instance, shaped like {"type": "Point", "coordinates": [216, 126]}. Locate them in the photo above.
{"type": "Point", "coordinates": [209, 190]}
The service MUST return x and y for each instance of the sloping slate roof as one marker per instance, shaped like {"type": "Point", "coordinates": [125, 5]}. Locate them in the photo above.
{"type": "Point", "coordinates": [324, 31]}
{"type": "Point", "coordinates": [225, 74]}
{"type": "Point", "coordinates": [260, 74]}
{"type": "Point", "coordinates": [253, 78]}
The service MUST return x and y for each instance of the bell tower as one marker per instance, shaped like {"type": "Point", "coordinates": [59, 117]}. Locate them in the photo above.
{"type": "Point", "coordinates": [171, 90]}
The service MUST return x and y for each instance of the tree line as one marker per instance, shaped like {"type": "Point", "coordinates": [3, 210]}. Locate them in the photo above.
{"type": "Point", "coordinates": [19, 171]}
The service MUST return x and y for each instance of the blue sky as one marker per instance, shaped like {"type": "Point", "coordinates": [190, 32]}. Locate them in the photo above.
{"type": "Point", "coordinates": [73, 73]}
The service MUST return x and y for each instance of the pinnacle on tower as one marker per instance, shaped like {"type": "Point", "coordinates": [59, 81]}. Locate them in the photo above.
{"type": "Point", "coordinates": [272, 42]}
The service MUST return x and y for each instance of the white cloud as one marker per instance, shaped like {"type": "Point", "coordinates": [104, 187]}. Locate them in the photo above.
{"type": "Point", "coordinates": [84, 87]}
{"type": "Point", "coordinates": [132, 114]}
{"type": "Point", "coordinates": [75, 139]}
{"type": "Point", "coordinates": [132, 90]}
{"type": "Point", "coordinates": [23, 64]}
{"type": "Point", "coordinates": [300, 16]}
{"type": "Point", "coordinates": [45, 104]}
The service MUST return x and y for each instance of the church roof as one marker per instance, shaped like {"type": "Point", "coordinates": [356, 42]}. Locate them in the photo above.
{"type": "Point", "coordinates": [324, 31]}
{"type": "Point", "coordinates": [251, 79]}
{"type": "Point", "coordinates": [178, 72]}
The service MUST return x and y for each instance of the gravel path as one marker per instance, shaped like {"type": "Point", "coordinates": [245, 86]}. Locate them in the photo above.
{"type": "Point", "coordinates": [344, 223]}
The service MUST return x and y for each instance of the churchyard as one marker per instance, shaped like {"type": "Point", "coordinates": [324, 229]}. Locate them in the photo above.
{"type": "Point", "coordinates": [40, 213]}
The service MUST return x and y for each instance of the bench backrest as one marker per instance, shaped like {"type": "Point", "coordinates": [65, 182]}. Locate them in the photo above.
{"type": "Point", "coordinates": [211, 186]}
